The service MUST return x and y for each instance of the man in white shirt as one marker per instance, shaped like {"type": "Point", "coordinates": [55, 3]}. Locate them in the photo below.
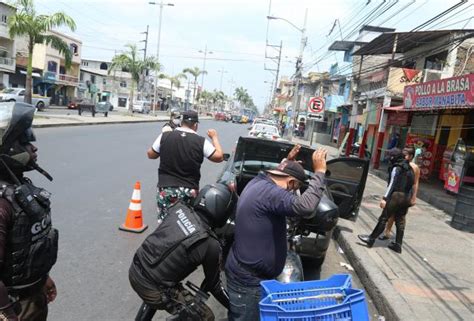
{"type": "Point", "coordinates": [181, 154]}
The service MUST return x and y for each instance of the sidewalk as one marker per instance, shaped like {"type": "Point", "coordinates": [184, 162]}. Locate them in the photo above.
{"type": "Point", "coordinates": [45, 119]}
{"type": "Point", "coordinates": [431, 280]}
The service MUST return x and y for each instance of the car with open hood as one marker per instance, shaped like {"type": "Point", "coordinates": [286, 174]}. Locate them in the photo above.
{"type": "Point", "coordinates": [345, 181]}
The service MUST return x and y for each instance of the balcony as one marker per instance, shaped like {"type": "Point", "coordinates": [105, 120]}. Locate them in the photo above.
{"type": "Point", "coordinates": [68, 79]}
{"type": "Point", "coordinates": [7, 63]}
{"type": "Point", "coordinates": [52, 77]}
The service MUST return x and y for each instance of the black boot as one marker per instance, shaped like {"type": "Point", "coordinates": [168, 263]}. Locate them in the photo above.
{"type": "Point", "coordinates": [366, 239]}
{"type": "Point", "coordinates": [145, 313]}
{"type": "Point", "coordinates": [395, 247]}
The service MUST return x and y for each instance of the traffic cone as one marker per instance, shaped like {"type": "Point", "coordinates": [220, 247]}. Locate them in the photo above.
{"type": "Point", "coordinates": [134, 219]}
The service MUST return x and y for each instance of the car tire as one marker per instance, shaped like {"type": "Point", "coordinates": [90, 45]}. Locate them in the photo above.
{"type": "Point", "coordinates": [106, 113]}
{"type": "Point", "coordinates": [40, 106]}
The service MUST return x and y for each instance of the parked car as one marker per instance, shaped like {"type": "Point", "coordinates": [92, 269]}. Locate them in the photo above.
{"type": "Point", "coordinates": [105, 105]}
{"type": "Point", "coordinates": [18, 94]}
{"type": "Point", "coordinates": [220, 116]}
{"type": "Point", "coordinates": [74, 103]}
{"type": "Point", "coordinates": [345, 179]}
{"type": "Point", "coordinates": [264, 131]}
{"type": "Point", "coordinates": [141, 106]}
{"type": "Point", "coordinates": [236, 119]}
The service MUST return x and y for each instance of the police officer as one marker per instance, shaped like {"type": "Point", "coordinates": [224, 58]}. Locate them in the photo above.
{"type": "Point", "coordinates": [28, 242]}
{"type": "Point", "coordinates": [182, 242]}
{"type": "Point", "coordinates": [173, 123]}
{"type": "Point", "coordinates": [181, 154]}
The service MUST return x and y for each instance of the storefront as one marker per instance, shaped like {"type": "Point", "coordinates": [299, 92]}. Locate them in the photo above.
{"type": "Point", "coordinates": [442, 112]}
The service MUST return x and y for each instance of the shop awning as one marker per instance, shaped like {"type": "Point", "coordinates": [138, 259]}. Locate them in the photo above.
{"type": "Point", "coordinates": [396, 108]}
{"type": "Point", "coordinates": [34, 74]}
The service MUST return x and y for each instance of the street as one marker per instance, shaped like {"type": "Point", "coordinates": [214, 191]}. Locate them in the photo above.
{"type": "Point", "coordinates": [94, 170]}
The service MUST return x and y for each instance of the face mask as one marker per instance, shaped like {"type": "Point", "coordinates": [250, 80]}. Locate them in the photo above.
{"type": "Point", "coordinates": [177, 121]}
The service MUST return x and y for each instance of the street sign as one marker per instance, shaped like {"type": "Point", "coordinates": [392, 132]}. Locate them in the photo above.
{"type": "Point", "coordinates": [316, 108]}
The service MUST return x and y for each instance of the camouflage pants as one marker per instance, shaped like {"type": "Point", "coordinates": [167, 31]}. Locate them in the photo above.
{"type": "Point", "coordinates": [167, 196]}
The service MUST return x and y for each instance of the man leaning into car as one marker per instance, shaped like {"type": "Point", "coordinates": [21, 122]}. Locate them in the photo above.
{"type": "Point", "coordinates": [260, 246]}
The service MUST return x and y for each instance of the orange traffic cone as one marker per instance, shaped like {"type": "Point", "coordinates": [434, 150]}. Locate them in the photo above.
{"type": "Point", "coordinates": [134, 219]}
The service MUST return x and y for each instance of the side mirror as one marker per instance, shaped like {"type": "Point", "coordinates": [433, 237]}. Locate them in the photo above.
{"type": "Point", "coordinates": [226, 156]}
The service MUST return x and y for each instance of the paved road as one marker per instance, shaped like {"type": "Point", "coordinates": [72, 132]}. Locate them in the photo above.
{"type": "Point", "coordinates": [95, 169]}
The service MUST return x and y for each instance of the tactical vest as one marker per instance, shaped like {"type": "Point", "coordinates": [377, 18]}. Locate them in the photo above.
{"type": "Point", "coordinates": [406, 178]}
{"type": "Point", "coordinates": [32, 243]}
{"type": "Point", "coordinates": [181, 156]}
{"type": "Point", "coordinates": [163, 257]}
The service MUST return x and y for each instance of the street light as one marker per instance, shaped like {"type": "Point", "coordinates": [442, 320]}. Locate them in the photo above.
{"type": "Point", "coordinates": [299, 61]}
{"type": "Point", "coordinates": [222, 71]}
{"type": "Point", "coordinates": [161, 4]}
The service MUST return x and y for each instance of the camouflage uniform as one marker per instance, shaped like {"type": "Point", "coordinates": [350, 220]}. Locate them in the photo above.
{"type": "Point", "coordinates": [167, 196]}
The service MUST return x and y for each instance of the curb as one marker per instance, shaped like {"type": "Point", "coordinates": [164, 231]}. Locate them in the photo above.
{"type": "Point", "coordinates": [385, 298]}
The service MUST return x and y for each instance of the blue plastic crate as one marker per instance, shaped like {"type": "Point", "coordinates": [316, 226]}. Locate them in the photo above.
{"type": "Point", "coordinates": [335, 281]}
{"type": "Point", "coordinates": [302, 305]}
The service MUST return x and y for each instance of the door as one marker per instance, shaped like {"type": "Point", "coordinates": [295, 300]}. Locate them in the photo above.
{"type": "Point", "coordinates": [345, 180]}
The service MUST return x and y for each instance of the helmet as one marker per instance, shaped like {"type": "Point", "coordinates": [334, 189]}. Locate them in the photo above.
{"type": "Point", "coordinates": [215, 202]}
{"type": "Point", "coordinates": [175, 117]}
{"type": "Point", "coordinates": [15, 133]}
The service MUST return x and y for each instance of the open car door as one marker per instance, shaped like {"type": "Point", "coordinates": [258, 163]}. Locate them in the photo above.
{"type": "Point", "coordinates": [346, 179]}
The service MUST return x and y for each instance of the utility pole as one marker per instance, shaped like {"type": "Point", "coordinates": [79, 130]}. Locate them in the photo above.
{"type": "Point", "coordinates": [145, 72]}
{"type": "Point", "coordinates": [222, 71]}
{"type": "Point", "coordinates": [161, 4]}
{"type": "Point", "coordinates": [205, 52]}
{"type": "Point", "coordinates": [277, 60]}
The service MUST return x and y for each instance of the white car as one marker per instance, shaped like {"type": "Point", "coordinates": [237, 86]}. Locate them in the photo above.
{"type": "Point", "coordinates": [18, 94]}
{"type": "Point", "coordinates": [265, 131]}
{"type": "Point", "coordinates": [141, 106]}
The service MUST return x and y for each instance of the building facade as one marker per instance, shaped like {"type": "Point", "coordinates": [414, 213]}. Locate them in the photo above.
{"type": "Point", "coordinates": [7, 47]}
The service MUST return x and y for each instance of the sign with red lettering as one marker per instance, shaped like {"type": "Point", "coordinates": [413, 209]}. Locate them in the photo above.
{"type": "Point", "coordinates": [316, 105]}
{"type": "Point", "coordinates": [449, 92]}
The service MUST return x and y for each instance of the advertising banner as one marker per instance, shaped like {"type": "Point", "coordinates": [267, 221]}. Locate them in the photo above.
{"type": "Point", "coordinates": [438, 94]}
{"type": "Point", "coordinates": [425, 160]}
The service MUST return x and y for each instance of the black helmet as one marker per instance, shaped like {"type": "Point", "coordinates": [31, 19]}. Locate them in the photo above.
{"type": "Point", "coordinates": [215, 202]}
{"type": "Point", "coordinates": [15, 133]}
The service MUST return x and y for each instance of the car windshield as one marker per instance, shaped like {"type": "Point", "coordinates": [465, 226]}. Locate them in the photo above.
{"type": "Point", "coordinates": [9, 90]}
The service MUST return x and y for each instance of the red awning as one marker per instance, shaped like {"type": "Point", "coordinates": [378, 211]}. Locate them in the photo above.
{"type": "Point", "coordinates": [402, 108]}
{"type": "Point", "coordinates": [396, 108]}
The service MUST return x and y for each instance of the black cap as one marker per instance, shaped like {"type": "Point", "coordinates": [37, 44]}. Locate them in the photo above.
{"type": "Point", "coordinates": [290, 168]}
{"type": "Point", "coordinates": [190, 115]}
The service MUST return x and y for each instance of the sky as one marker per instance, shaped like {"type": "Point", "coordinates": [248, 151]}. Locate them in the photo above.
{"type": "Point", "coordinates": [237, 31]}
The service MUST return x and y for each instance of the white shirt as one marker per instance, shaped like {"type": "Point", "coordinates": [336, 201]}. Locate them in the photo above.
{"type": "Point", "coordinates": [208, 149]}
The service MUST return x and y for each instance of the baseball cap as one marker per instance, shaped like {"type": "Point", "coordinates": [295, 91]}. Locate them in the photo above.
{"type": "Point", "coordinates": [289, 168]}
{"type": "Point", "coordinates": [190, 115]}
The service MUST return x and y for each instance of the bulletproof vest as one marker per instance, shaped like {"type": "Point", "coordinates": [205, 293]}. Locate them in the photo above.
{"type": "Point", "coordinates": [181, 156]}
{"type": "Point", "coordinates": [164, 255]}
{"type": "Point", "coordinates": [405, 179]}
{"type": "Point", "coordinates": [32, 243]}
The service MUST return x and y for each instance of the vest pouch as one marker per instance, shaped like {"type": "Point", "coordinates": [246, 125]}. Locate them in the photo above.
{"type": "Point", "coordinates": [43, 255]}
{"type": "Point", "coordinates": [34, 201]}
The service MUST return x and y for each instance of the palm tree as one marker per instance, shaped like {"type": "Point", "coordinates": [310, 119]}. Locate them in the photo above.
{"type": "Point", "coordinates": [241, 95]}
{"type": "Point", "coordinates": [25, 22]}
{"type": "Point", "coordinates": [175, 81]}
{"type": "Point", "coordinates": [204, 97]}
{"type": "Point", "coordinates": [218, 97]}
{"type": "Point", "coordinates": [195, 72]}
{"type": "Point", "coordinates": [130, 61]}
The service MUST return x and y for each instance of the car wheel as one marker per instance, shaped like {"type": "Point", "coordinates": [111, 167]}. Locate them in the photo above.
{"type": "Point", "coordinates": [40, 106]}
{"type": "Point", "coordinates": [106, 114]}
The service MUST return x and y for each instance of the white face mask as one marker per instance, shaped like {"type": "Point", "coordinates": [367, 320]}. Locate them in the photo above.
{"type": "Point", "coordinates": [177, 121]}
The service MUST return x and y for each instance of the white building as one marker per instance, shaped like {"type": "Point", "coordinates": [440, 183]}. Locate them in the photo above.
{"type": "Point", "coordinates": [7, 46]}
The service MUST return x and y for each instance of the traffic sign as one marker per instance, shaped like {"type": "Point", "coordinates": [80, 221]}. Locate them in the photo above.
{"type": "Point", "coordinates": [319, 117]}
{"type": "Point", "coordinates": [316, 105]}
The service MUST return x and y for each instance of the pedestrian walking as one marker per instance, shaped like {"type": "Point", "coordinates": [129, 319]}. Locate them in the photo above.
{"type": "Point", "coordinates": [181, 154]}
{"type": "Point", "coordinates": [183, 242]}
{"type": "Point", "coordinates": [396, 200]}
{"type": "Point", "coordinates": [260, 245]}
{"type": "Point", "coordinates": [409, 153]}
{"type": "Point", "coordinates": [28, 242]}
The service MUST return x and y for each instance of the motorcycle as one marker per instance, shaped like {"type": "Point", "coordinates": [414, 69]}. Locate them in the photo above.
{"type": "Point", "coordinates": [356, 148]}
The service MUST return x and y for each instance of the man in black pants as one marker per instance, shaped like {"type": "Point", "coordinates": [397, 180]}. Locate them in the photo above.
{"type": "Point", "coordinates": [396, 200]}
{"type": "Point", "coordinates": [175, 249]}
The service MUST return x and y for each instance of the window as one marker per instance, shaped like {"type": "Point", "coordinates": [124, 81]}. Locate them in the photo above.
{"type": "Point", "coordinates": [81, 76]}
{"type": "Point", "coordinates": [122, 102]}
{"type": "Point", "coordinates": [437, 61]}
{"type": "Point", "coordinates": [21, 93]}
{"type": "Point", "coordinates": [342, 86]}
{"type": "Point", "coordinates": [85, 63]}
{"type": "Point", "coordinates": [103, 66]}
{"type": "Point", "coordinates": [93, 79]}
{"type": "Point", "coordinates": [62, 70]}
{"type": "Point", "coordinates": [52, 66]}
{"type": "Point", "coordinates": [104, 81]}
{"type": "Point", "coordinates": [123, 84]}
{"type": "Point", "coordinates": [74, 49]}
{"type": "Point", "coordinates": [4, 18]}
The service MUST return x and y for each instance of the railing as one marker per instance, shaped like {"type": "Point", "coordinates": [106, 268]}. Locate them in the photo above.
{"type": "Point", "coordinates": [7, 61]}
{"type": "Point", "coordinates": [68, 78]}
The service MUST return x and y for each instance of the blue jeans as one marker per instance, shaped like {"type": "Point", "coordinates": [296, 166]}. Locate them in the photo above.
{"type": "Point", "coordinates": [244, 300]}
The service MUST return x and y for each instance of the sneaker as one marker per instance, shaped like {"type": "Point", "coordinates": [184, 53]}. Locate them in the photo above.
{"type": "Point", "coordinates": [366, 239]}
{"type": "Point", "coordinates": [384, 237]}
{"type": "Point", "coordinates": [395, 247]}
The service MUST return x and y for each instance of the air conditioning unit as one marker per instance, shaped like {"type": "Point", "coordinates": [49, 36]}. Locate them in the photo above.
{"type": "Point", "coordinates": [431, 74]}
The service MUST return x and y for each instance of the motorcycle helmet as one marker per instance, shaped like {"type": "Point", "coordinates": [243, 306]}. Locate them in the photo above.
{"type": "Point", "coordinates": [15, 134]}
{"type": "Point", "coordinates": [216, 203]}
{"type": "Point", "coordinates": [175, 117]}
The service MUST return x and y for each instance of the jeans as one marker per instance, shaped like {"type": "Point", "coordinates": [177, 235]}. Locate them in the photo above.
{"type": "Point", "coordinates": [244, 300]}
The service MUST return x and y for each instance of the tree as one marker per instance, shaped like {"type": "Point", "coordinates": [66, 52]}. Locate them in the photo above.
{"type": "Point", "coordinates": [36, 28]}
{"type": "Point", "coordinates": [241, 95]}
{"type": "Point", "coordinates": [218, 97]}
{"type": "Point", "coordinates": [130, 61]}
{"type": "Point", "coordinates": [195, 72]}
{"type": "Point", "coordinates": [175, 81]}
